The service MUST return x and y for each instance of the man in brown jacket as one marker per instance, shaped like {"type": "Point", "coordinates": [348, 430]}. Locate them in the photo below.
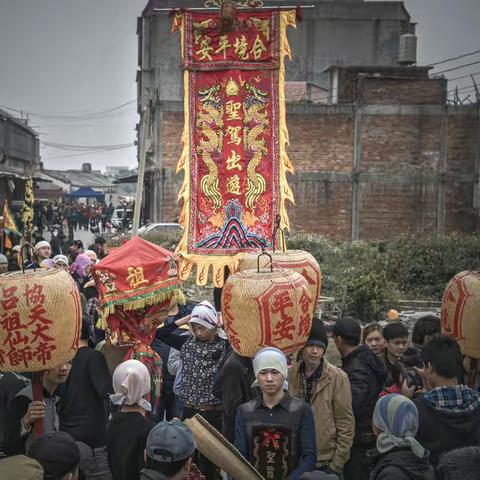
{"type": "Point", "coordinates": [327, 389]}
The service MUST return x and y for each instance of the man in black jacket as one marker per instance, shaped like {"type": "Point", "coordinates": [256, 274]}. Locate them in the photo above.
{"type": "Point", "coordinates": [449, 413]}
{"type": "Point", "coordinates": [10, 384]}
{"type": "Point", "coordinates": [233, 386]}
{"type": "Point", "coordinates": [83, 407]}
{"type": "Point", "coordinates": [367, 375]}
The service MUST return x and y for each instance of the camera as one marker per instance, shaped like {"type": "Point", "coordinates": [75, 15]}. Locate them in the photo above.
{"type": "Point", "coordinates": [413, 378]}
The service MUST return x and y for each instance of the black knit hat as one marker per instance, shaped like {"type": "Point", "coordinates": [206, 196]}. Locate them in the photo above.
{"type": "Point", "coordinates": [318, 334]}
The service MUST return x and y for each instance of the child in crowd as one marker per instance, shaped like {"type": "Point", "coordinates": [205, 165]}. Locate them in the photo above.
{"type": "Point", "coordinates": [129, 428]}
{"type": "Point", "coordinates": [201, 354]}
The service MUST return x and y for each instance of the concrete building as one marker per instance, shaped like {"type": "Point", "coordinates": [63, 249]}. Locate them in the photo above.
{"type": "Point", "coordinates": [376, 150]}
{"type": "Point", "coordinates": [19, 157]}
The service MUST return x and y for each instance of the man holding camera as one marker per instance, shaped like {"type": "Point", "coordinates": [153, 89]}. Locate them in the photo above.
{"type": "Point", "coordinates": [449, 413]}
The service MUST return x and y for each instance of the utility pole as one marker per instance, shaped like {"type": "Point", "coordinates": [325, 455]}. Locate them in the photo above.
{"type": "Point", "coordinates": [144, 128]}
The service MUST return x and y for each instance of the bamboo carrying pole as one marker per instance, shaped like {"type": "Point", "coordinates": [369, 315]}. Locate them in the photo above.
{"type": "Point", "coordinates": [37, 388]}
{"type": "Point", "coordinates": [141, 170]}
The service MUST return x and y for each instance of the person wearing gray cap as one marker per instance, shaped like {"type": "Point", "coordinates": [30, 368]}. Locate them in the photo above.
{"type": "Point", "coordinates": [3, 263]}
{"type": "Point", "coordinates": [168, 453]}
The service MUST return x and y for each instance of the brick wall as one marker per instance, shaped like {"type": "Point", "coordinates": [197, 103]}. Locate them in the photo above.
{"type": "Point", "coordinates": [463, 151]}
{"type": "Point", "coordinates": [171, 133]}
{"type": "Point", "coordinates": [390, 210]}
{"type": "Point", "coordinates": [401, 91]}
{"type": "Point", "coordinates": [398, 173]}
{"type": "Point", "coordinates": [320, 143]}
{"type": "Point", "coordinates": [400, 144]}
{"type": "Point", "coordinates": [321, 205]}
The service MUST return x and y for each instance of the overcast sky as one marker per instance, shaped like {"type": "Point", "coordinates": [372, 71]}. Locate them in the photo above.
{"type": "Point", "coordinates": [61, 60]}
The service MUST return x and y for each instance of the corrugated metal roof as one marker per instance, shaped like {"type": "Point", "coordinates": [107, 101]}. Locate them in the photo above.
{"type": "Point", "coordinates": [79, 178]}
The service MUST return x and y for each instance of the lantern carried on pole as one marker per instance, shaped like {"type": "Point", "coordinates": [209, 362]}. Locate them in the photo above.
{"type": "Point", "coordinates": [460, 313]}
{"type": "Point", "coordinates": [296, 260]}
{"type": "Point", "coordinates": [266, 308]}
{"type": "Point", "coordinates": [40, 315]}
{"type": "Point", "coordinates": [460, 317]}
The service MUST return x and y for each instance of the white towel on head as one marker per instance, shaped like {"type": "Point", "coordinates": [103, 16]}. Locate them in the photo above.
{"type": "Point", "coordinates": [270, 358]}
{"type": "Point", "coordinates": [42, 244]}
{"type": "Point", "coordinates": [131, 382]}
{"type": "Point", "coordinates": [60, 258]}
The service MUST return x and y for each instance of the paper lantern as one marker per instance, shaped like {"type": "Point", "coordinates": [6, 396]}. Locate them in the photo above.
{"type": "Point", "coordinates": [460, 313]}
{"type": "Point", "coordinates": [40, 318]}
{"type": "Point", "coordinates": [266, 309]}
{"type": "Point", "coordinates": [297, 260]}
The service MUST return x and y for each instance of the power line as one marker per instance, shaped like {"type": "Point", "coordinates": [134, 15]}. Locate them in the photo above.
{"type": "Point", "coordinates": [84, 122]}
{"type": "Point", "coordinates": [94, 152]}
{"type": "Point", "coordinates": [460, 89]}
{"type": "Point", "coordinates": [86, 148]}
{"type": "Point", "coordinates": [471, 90]}
{"type": "Point", "coordinates": [454, 58]}
{"type": "Point", "coordinates": [456, 68]}
{"type": "Point", "coordinates": [60, 116]}
{"type": "Point", "coordinates": [464, 76]}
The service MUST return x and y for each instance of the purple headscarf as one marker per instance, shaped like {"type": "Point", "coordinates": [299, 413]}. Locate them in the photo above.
{"type": "Point", "coordinates": [80, 264]}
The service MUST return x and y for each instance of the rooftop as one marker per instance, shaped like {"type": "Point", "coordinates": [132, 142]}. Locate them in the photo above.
{"type": "Point", "coordinates": [81, 178]}
{"type": "Point", "coordinates": [4, 115]}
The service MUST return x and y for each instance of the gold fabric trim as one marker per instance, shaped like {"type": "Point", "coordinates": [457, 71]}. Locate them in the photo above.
{"type": "Point", "coordinates": [220, 262]}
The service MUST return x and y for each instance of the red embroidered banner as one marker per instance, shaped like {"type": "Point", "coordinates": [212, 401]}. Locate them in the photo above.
{"type": "Point", "coordinates": [252, 45]}
{"type": "Point", "coordinates": [234, 156]}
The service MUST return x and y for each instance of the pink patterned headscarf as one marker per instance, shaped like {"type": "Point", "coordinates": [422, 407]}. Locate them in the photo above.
{"type": "Point", "coordinates": [80, 264]}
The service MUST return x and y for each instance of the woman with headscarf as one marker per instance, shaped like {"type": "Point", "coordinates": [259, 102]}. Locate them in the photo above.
{"type": "Point", "coordinates": [201, 355]}
{"type": "Point", "coordinates": [129, 428]}
{"type": "Point", "coordinates": [398, 456]}
{"type": "Point", "coordinates": [80, 270]}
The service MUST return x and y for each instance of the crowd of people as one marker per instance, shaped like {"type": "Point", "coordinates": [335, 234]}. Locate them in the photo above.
{"type": "Point", "coordinates": [396, 407]}
{"type": "Point", "coordinates": [71, 215]}
{"type": "Point", "coordinates": [62, 219]}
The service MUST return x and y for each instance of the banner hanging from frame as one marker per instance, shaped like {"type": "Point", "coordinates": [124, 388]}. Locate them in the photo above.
{"type": "Point", "coordinates": [234, 159]}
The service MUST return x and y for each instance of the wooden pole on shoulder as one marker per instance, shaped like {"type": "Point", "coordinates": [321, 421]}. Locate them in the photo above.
{"type": "Point", "coordinates": [145, 125]}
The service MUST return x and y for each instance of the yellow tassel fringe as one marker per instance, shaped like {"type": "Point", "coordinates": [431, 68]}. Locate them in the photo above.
{"type": "Point", "coordinates": [177, 296]}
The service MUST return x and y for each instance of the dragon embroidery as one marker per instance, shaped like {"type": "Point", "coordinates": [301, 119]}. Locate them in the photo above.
{"type": "Point", "coordinates": [256, 122]}
{"type": "Point", "coordinates": [210, 125]}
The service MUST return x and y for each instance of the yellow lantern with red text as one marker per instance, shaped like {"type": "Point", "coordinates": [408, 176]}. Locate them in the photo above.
{"type": "Point", "coordinates": [40, 315]}
{"type": "Point", "coordinates": [264, 309]}
{"type": "Point", "coordinates": [297, 260]}
{"type": "Point", "coordinates": [460, 313]}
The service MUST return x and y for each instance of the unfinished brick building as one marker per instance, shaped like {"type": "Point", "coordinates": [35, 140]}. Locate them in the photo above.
{"type": "Point", "coordinates": [377, 151]}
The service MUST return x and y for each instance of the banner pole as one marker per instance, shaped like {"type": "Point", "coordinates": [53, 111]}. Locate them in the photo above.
{"type": "Point", "coordinates": [3, 223]}
{"type": "Point", "coordinates": [141, 171]}
{"type": "Point", "coordinates": [207, 9]}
